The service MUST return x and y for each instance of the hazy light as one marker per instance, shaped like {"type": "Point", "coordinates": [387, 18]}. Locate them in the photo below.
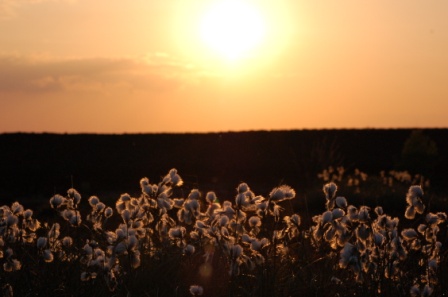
{"type": "Point", "coordinates": [232, 28]}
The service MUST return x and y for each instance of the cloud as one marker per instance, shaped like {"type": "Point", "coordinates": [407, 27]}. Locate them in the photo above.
{"type": "Point", "coordinates": [154, 72]}
{"type": "Point", "coordinates": [8, 8]}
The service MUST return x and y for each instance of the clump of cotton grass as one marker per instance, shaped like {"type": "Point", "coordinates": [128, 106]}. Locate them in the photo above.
{"type": "Point", "coordinates": [11, 264]}
{"type": "Point", "coordinates": [370, 247]}
{"type": "Point", "coordinates": [414, 200]}
{"type": "Point", "coordinates": [424, 291]}
{"type": "Point", "coordinates": [333, 226]}
{"type": "Point", "coordinates": [17, 224]}
{"type": "Point", "coordinates": [332, 174]}
{"type": "Point", "coordinates": [67, 207]}
{"type": "Point", "coordinates": [191, 208]}
{"type": "Point", "coordinates": [271, 206]}
{"type": "Point", "coordinates": [244, 197]}
{"type": "Point", "coordinates": [425, 241]}
{"type": "Point", "coordinates": [249, 237]}
{"type": "Point", "coordinates": [172, 178]}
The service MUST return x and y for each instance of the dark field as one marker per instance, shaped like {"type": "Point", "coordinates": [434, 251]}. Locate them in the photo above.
{"type": "Point", "coordinates": [35, 166]}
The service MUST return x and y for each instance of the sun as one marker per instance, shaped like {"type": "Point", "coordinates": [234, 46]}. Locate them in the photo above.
{"type": "Point", "coordinates": [232, 28]}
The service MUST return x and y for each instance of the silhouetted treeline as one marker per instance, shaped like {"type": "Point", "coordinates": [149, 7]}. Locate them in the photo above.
{"type": "Point", "coordinates": [36, 166]}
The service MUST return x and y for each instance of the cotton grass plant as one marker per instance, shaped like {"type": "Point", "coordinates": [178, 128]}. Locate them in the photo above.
{"type": "Point", "coordinates": [161, 244]}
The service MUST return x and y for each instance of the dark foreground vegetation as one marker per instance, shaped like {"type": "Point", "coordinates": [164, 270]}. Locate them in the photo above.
{"type": "Point", "coordinates": [290, 213]}
{"type": "Point", "coordinates": [161, 244]}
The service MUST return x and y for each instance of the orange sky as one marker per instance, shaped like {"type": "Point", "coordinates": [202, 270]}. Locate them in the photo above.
{"type": "Point", "coordinates": [109, 66]}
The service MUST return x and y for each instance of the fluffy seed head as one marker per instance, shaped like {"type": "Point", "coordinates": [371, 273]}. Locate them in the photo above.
{"type": "Point", "coordinates": [196, 290]}
{"type": "Point", "coordinates": [27, 214]}
{"type": "Point", "coordinates": [210, 197]}
{"type": "Point", "coordinates": [242, 188]}
{"type": "Point", "coordinates": [48, 256]}
{"type": "Point", "coordinates": [330, 190]}
{"type": "Point", "coordinates": [67, 241]}
{"type": "Point", "coordinates": [56, 201]}
{"type": "Point", "coordinates": [41, 242]}
{"type": "Point", "coordinates": [327, 217]}
{"type": "Point", "coordinates": [409, 234]}
{"type": "Point", "coordinates": [341, 202]}
{"type": "Point", "coordinates": [93, 200]}
{"type": "Point", "coordinates": [17, 208]}
{"type": "Point", "coordinates": [281, 193]}
{"type": "Point", "coordinates": [194, 194]}
{"type": "Point", "coordinates": [73, 194]}
{"type": "Point", "coordinates": [254, 221]}
{"type": "Point", "coordinates": [108, 212]}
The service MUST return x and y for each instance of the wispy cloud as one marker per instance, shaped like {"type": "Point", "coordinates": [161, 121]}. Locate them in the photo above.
{"type": "Point", "coordinates": [157, 71]}
{"type": "Point", "coordinates": [8, 8]}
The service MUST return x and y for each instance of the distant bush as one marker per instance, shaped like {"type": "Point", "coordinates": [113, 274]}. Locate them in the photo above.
{"type": "Point", "coordinates": [160, 244]}
{"type": "Point", "coordinates": [419, 154]}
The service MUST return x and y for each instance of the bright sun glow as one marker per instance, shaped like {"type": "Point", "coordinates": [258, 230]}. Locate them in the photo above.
{"type": "Point", "coordinates": [232, 28]}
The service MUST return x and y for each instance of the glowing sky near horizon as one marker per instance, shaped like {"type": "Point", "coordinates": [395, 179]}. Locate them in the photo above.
{"type": "Point", "coordinates": [141, 66]}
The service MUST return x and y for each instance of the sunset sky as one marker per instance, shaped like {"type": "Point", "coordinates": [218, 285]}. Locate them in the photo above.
{"type": "Point", "coordinates": [114, 66]}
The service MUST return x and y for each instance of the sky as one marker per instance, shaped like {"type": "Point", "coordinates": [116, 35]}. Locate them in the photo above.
{"type": "Point", "coordinates": [146, 66]}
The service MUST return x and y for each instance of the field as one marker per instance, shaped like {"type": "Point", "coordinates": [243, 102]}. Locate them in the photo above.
{"type": "Point", "coordinates": [288, 213]}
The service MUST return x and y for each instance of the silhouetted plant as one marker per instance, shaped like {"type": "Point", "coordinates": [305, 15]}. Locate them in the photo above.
{"type": "Point", "coordinates": [419, 154]}
{"type": "Point", "coordinates": [161, 245]}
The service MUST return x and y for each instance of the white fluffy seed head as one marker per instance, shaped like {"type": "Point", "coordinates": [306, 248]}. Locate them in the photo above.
{"type": "Point", "coordinates": [337, 213]}
{"type": "Point", "coordinates": [281, 193]}
{"type": "Point", "coordinates": [410, 212]}
{"type": "Point", "coordinates": [120, 248]}
{"type": "Point", "coordinates": [409, 234]}
{"type": "Point", "coordinates": [236, 251]}
{"type": "Point", "coordinates": [194, 194]}
{"type": "Point", "coordinates": [295, 218]}
{"type": "Point", "coordinates": [27, 214]}
{"type": "Point", "coordinates": [48, 256]}
{"type": "Point", "coordinates": [254, 221]}
{"type": "Point", "coordinates": [56, 201]}
{"type": "Point", "coordinates": [210, 197]}
{"type": "Point", "coordinates": [176, 180]}
{"type": "Point", "coordinates": [341, 202]}
{"type": "Point", "coordinates": [125, 197]}
{"type": "Point", "coordinates": [414, 192]}
{"type": "Point", "coordinates": [17, 208]}
{"type": "Point", "coordinates": [196, 290]}
{"type": "Point", "coordinates": [327, 217]}
{"type": "Point", "coordinates": [242, 188]}
{"type": "Point", "coordinates": [363, 214]}
{"type": "Point", "coordinates": [330, 190]}
{"type": "Point", "coordinates": [11, 220]}
{"type": "Point", "coordinates": [108, 212]}
{"type": "Point", "coordinates": [74, 194]}
{"type": "Point", "coordinates": [432, 218]}
{"type": "Point", "coordinates": [189, 249]}
{"type": "Point", "coordinates": [93, 200]}
{"type": "Point", "coordinates": [54, 231]}
{"type": "Point", "coordinates": [379, 210]}
{"type": "Point", "coordinates": [67, 241]}
{"type": "Point", "coordinates": [41, 242]}
{"type": "Point", "coordinates": [223, 220]}
{"type": "Point", "coordinates": [126, 215]}
{"type": "Point", "coordinates": [352, 213]}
